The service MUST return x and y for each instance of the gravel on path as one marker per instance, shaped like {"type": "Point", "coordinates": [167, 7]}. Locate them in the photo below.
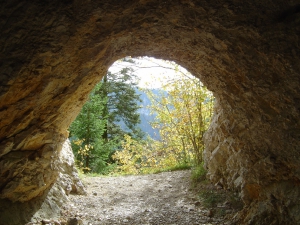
{"type": "Point", "coordinates": [164, 198]}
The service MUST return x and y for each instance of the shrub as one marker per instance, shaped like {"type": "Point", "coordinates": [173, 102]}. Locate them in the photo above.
{"type": "Point", "coordinates": [199, 173]}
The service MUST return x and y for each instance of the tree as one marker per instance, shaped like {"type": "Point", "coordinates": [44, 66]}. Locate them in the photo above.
{"type": "Point", "coordinates": [122, 105]}
{"type": "Point", "coordinates": [88, 128]}
{"type": "Point", "coordinates": [110, 112]}
{"type": "Point", "coordinates": [182, 109]}
{"type": "Point", "coordinates": [183, 115]}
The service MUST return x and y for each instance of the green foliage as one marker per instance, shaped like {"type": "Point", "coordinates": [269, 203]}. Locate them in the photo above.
{"type": "Point", "coordinates": [87, 129]}
{"type": "Point", "coordinates": [169, 169]}
{"type": "Point", "coordinates": [211, 198]}
{"type": "Point", "coordinates": [122, 105]}
{"type": "Point", "coordinates": [183, 112]}
{"type": "Point", "coordinates": [198, 173]}
{"type": "Point", "coordinates": [219, 200]}
{"type": "Point", "coordinates": [96, 133]}
{"type": "Point", "coordinates": [102, 162]}
{"type": "Point", "coordinates": [145, 156]}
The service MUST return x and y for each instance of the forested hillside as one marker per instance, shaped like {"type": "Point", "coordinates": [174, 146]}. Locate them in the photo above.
{"type": "Point", "coordinates": [146, 116]}
{"type": "Point", "coordinates": [127, 128]}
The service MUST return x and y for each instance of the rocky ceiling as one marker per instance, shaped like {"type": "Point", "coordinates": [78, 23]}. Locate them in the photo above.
{"type": "Point", "coordinates": [52, 53]}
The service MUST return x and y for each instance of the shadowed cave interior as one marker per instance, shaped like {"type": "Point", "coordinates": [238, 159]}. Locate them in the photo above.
{"type": "Point", "coordinates": [247, 53]}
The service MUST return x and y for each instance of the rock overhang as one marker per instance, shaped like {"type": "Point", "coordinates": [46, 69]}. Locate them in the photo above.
{"type": "Point", "coordinates": [53, 54]}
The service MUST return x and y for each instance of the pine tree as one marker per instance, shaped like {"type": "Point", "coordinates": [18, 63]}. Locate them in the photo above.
{"type": "Point", "coordinates": [109, 114]}
{"type": "Point", "coordinates": [122, 105]}
{"type": "Point", "coordinates": [87, 129]}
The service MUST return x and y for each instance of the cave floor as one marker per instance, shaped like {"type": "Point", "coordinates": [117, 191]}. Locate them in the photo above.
{"type": "Point", "coordinates": [164, 198]}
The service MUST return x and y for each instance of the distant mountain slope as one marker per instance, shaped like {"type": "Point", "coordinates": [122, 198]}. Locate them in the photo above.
{"type": "Point", "coordinates": [145, 115]}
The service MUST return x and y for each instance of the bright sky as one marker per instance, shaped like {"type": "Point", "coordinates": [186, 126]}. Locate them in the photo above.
{"type": "Point", "coordinates": [152, 72]}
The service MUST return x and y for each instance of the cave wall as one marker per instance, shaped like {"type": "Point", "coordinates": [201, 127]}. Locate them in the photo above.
{"type": "Point", "coordinates": [247, 53]}
{"type": "Point", "coordinates": [50, 202]}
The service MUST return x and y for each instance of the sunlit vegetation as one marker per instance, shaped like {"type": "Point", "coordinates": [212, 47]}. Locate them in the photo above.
{"type": "Point", "coordinates": [147, 156]}
{"type": "Point", "coordinates": [198, 173]}
{"type": "Point", "coordinates": [219, 200]}
{"type": "Point", "coordinates": [182, 108]}
{"type": "Point", "coordinates": [97, 132]}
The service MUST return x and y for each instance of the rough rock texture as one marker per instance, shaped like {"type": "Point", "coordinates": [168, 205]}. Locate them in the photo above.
{"type": "Point", "coordinates": [49, 204]}
{"type": "Point", "coordinates": [248, 53]}
{"type": "Point", "coordinates": [68, 178]}
{"type": "Point", "coordinates": [167, 198]}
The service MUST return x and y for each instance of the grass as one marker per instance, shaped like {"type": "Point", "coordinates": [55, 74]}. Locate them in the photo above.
{"type": "Point", "coordinates": [141, 171]}
{"type": "Point", "coordinates": [198, 173]}
{"type": "Point", "coordinates": [167, 169]}
{"type": "Point", "coordinates": [218, 200]}
{"type": "Point", "coordinates": [212, 197]}
{"type": "Point", "coordinates": [150, 170]}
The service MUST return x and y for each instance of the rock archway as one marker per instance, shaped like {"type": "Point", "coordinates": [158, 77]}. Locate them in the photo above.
{"type": "Point", "coordinates": [247, 53]}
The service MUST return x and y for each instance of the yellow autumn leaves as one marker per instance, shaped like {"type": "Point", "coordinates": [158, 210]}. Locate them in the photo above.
{"type": "Point", "coordinates": [183, 111]}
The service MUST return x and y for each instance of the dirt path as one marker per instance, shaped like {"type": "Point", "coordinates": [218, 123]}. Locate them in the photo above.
{"type": "Point", "coordinates": [165, 198]}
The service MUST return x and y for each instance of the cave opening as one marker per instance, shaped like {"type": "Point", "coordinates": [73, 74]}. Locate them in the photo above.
{"type": "Point", "coordinates": [154, 105]}
{"type": "Point", "coordinates": [52, 54]}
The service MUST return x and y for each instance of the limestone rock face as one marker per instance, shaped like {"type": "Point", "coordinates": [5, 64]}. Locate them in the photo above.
{"type": "Point", "coordinates": [68, 178]}
{"type": "Point", "coordinates": [28, 173]}
{"type": "Point", "coordinates": [247, 53]}
{"type": "Point", "coordinates": [49, 202]}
